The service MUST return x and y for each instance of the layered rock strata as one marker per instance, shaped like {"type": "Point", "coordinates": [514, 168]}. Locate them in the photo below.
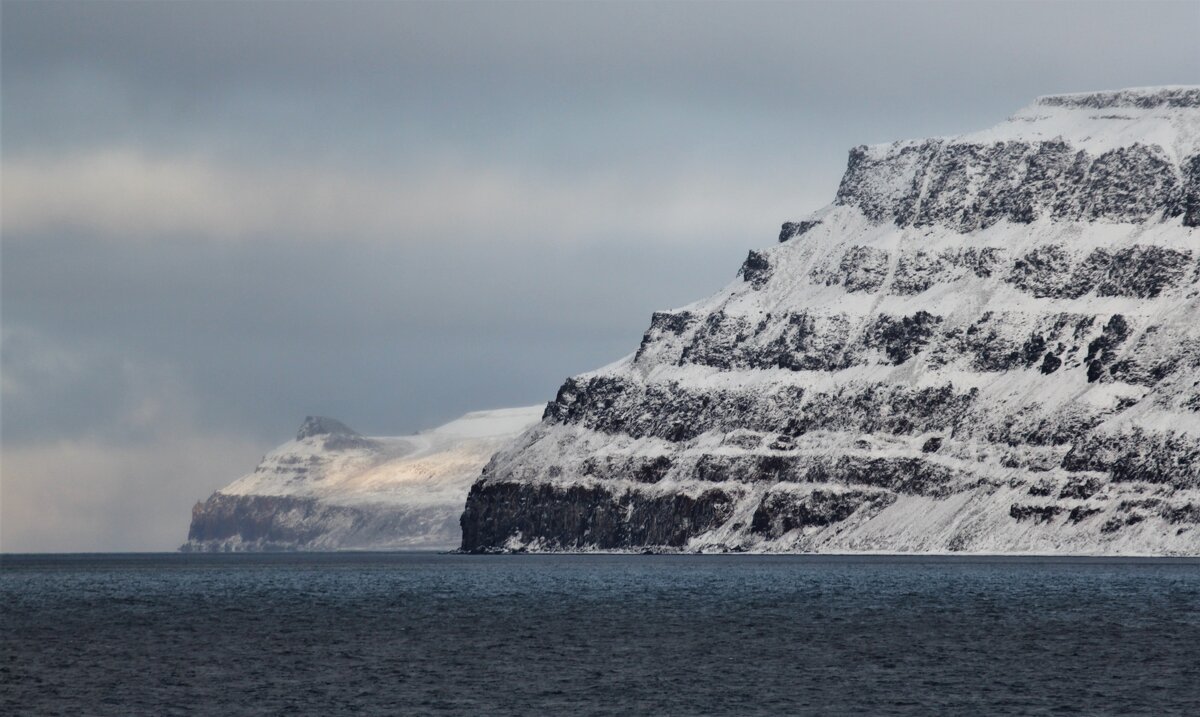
{"type": "Point", "coordinates": [988, 343]}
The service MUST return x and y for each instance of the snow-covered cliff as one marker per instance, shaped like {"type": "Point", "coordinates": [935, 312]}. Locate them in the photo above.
{"type": "Point", "coordinates": [333, 489]}
{"type": "Point", "coordinates": [987, 343]}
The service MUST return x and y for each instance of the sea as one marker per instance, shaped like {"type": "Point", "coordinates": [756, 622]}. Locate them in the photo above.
{"type": "Point", "coordinates": [442, 634]}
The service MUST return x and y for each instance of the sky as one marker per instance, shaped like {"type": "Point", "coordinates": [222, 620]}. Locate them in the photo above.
{"type": "Point", "coordinates": [218, 218]}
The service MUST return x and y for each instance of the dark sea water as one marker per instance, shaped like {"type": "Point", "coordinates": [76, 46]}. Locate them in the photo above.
{"type": "Point", "coordinates": [689, 635]}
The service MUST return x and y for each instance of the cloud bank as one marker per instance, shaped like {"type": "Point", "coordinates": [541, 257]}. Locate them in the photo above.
{"type": "Point", "coordinates": [124, 194]}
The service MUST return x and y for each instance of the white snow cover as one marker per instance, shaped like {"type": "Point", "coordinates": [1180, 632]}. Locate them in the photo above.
{"type": "Point", "coordinates": [434, 467]}
{"type": "Point", "coordinates": [1120, 122]}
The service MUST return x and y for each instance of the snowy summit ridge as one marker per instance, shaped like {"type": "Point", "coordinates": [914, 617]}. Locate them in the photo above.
{"type": "Point", "coordinates": [320, 426]}
{"type": "Point", "coordinates": [986, 343]}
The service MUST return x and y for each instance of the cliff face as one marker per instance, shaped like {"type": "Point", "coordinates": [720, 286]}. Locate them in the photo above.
{"type": "Point", "coordinates": [987, 343]}
{"type": "Point", "coordinates": [333, 489]}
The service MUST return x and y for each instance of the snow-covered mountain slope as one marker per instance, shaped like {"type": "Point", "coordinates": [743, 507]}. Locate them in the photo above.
{"type": "Point", "coordinates": [987, 343]}
{"type": "Point", "coordinates": [333, 489]}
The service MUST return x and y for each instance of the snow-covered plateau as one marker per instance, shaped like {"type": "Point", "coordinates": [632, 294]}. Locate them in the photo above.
{"type": "Point", "coordinates": [333, 489]}
{"type": "Point", "coordinates": [987, 343]}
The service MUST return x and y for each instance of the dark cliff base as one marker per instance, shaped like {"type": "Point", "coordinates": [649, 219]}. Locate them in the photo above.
{"type": "Point", "coordinates": [504, 516]}
{"type": "Point", "coordinates": [580, 517]}
{"type": "Point", "coordinates": [230, 523]}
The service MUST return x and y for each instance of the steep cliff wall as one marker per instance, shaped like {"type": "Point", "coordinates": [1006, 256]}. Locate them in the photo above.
{"type": "Point", "coordinates": [987, 343]}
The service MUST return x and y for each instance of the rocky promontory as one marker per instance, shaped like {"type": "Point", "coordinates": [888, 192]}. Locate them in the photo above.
{"type": "Point", "coordinates": [987, 343]}
{"type": "Point", "coordinates": [333, 489]}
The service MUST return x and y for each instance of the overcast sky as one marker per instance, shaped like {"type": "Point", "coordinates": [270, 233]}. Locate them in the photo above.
{"type": "Point", "coordinates": [221, 217]}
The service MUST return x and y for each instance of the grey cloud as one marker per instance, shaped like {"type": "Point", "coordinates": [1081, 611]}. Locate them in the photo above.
{"type": "Point", "coordinates": [695, 48]}
{"type": "Point", "coordinates": [535, 73]}
{"type": "Point", "coordinates": [390, 337]}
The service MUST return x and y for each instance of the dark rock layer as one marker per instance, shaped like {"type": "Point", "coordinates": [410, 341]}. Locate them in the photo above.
{"type": "Point", "coordinates": [974, 186]}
